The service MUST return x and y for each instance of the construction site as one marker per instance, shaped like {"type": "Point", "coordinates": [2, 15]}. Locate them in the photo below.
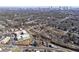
{"type": "Point", "coordinates": [39, 29]}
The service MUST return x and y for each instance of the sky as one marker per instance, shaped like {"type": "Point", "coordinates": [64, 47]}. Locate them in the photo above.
{"type": "Point", "coordinates": [39, 3]}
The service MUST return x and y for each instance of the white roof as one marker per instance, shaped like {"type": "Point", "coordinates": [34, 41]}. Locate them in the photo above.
{"type": "Point", "coordinates": [19, 32]}
{"type": "Point", "coordinates": [25, 35]}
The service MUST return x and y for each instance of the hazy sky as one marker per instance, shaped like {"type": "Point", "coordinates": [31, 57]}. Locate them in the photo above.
{"type": "Point", "coordinates": [39, 3]}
